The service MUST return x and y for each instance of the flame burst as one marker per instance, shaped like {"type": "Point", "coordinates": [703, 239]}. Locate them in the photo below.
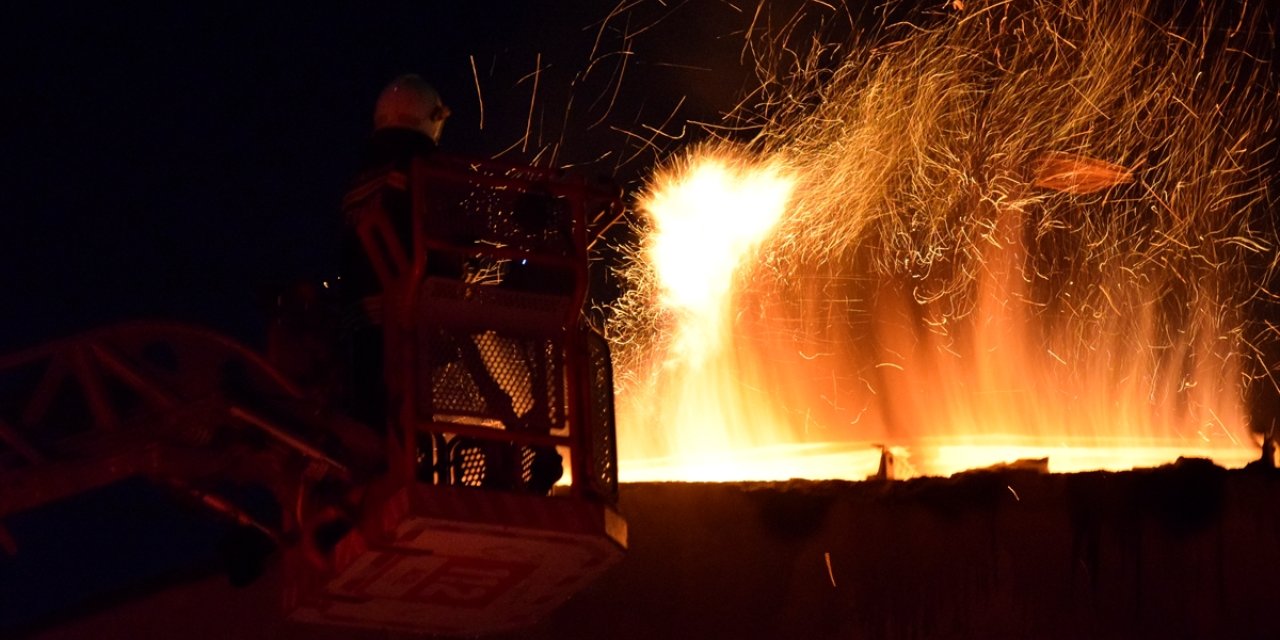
{"type": "Point", "coordinates": [1026, 229]}
{"type": "Point", "coordinates": [708, 216]}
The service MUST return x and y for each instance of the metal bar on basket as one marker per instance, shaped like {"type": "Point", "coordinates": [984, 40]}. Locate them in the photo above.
{"type": "Point", "coordinates": [498, 435]}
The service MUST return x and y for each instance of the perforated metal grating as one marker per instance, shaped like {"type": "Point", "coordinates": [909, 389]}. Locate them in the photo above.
{"type": "Point", "coordinates": [515, 381]}
{"type": "Point", "coordinates": [604, 451]}
{"type": "Point", "coordinates": [533, 219]}
{"type": "Point", "coordinates": [501, 465]}
{"type": "Point", "coordinates": [469, 464]}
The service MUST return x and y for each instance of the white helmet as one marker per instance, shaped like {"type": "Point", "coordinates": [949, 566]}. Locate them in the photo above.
{"type": "Point", "coordinates": [410, 103]}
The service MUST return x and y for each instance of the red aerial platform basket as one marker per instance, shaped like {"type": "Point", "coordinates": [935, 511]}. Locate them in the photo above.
{"type": "Point", "coordinates": [499, 499]}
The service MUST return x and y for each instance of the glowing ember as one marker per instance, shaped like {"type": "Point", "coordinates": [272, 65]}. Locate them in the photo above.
{"type": "Point", "coordinates": [1025, 231]}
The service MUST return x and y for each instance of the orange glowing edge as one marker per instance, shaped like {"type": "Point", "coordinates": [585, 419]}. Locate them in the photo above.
{"type": "Point", "coordinates": [927, 457]}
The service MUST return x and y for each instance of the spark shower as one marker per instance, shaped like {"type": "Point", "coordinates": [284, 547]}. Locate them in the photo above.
{"type": "Point", "coordinates": [993, 231]}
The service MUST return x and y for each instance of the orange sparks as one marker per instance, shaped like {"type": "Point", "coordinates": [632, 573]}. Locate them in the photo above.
{"type": "Point", "coordinates": [930, 272]}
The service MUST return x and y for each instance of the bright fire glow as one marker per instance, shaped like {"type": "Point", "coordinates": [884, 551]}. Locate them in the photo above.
{"type": "Point", "coordinates": [1022, 231]}
{"type": "Point", "coordinates": [708, 217]}
{"type": "Point", "coordinates": [705, 222]}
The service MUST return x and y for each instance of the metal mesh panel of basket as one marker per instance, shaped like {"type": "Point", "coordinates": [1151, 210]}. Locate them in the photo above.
{"type": "Point", "coordinates": [500, 465]}
{"type": "Point", "coordinates": [469, 464]}
{"type": "Point", "coordinates": [516, 381]}
{"type": "Point", "coordinates": [604, 451]}
{"type": "Point", "coordinates": [533, 220]}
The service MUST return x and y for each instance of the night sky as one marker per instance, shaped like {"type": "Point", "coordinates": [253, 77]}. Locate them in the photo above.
{"type": "Point", "coordinates": [179, 162]}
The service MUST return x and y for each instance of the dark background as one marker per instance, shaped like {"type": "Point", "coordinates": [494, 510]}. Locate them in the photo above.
{"type": "Point", "coordinates": [183, 161]}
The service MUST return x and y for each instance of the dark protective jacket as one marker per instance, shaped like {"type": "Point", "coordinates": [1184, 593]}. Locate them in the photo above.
{"type": "Point", "coordinates": [383, 174]}
{"type": "Point", "coordinates": [383, 177]}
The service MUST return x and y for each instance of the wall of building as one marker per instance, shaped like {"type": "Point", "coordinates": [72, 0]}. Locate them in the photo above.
{"type": "Point", "coordinates": [1187, 551]}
